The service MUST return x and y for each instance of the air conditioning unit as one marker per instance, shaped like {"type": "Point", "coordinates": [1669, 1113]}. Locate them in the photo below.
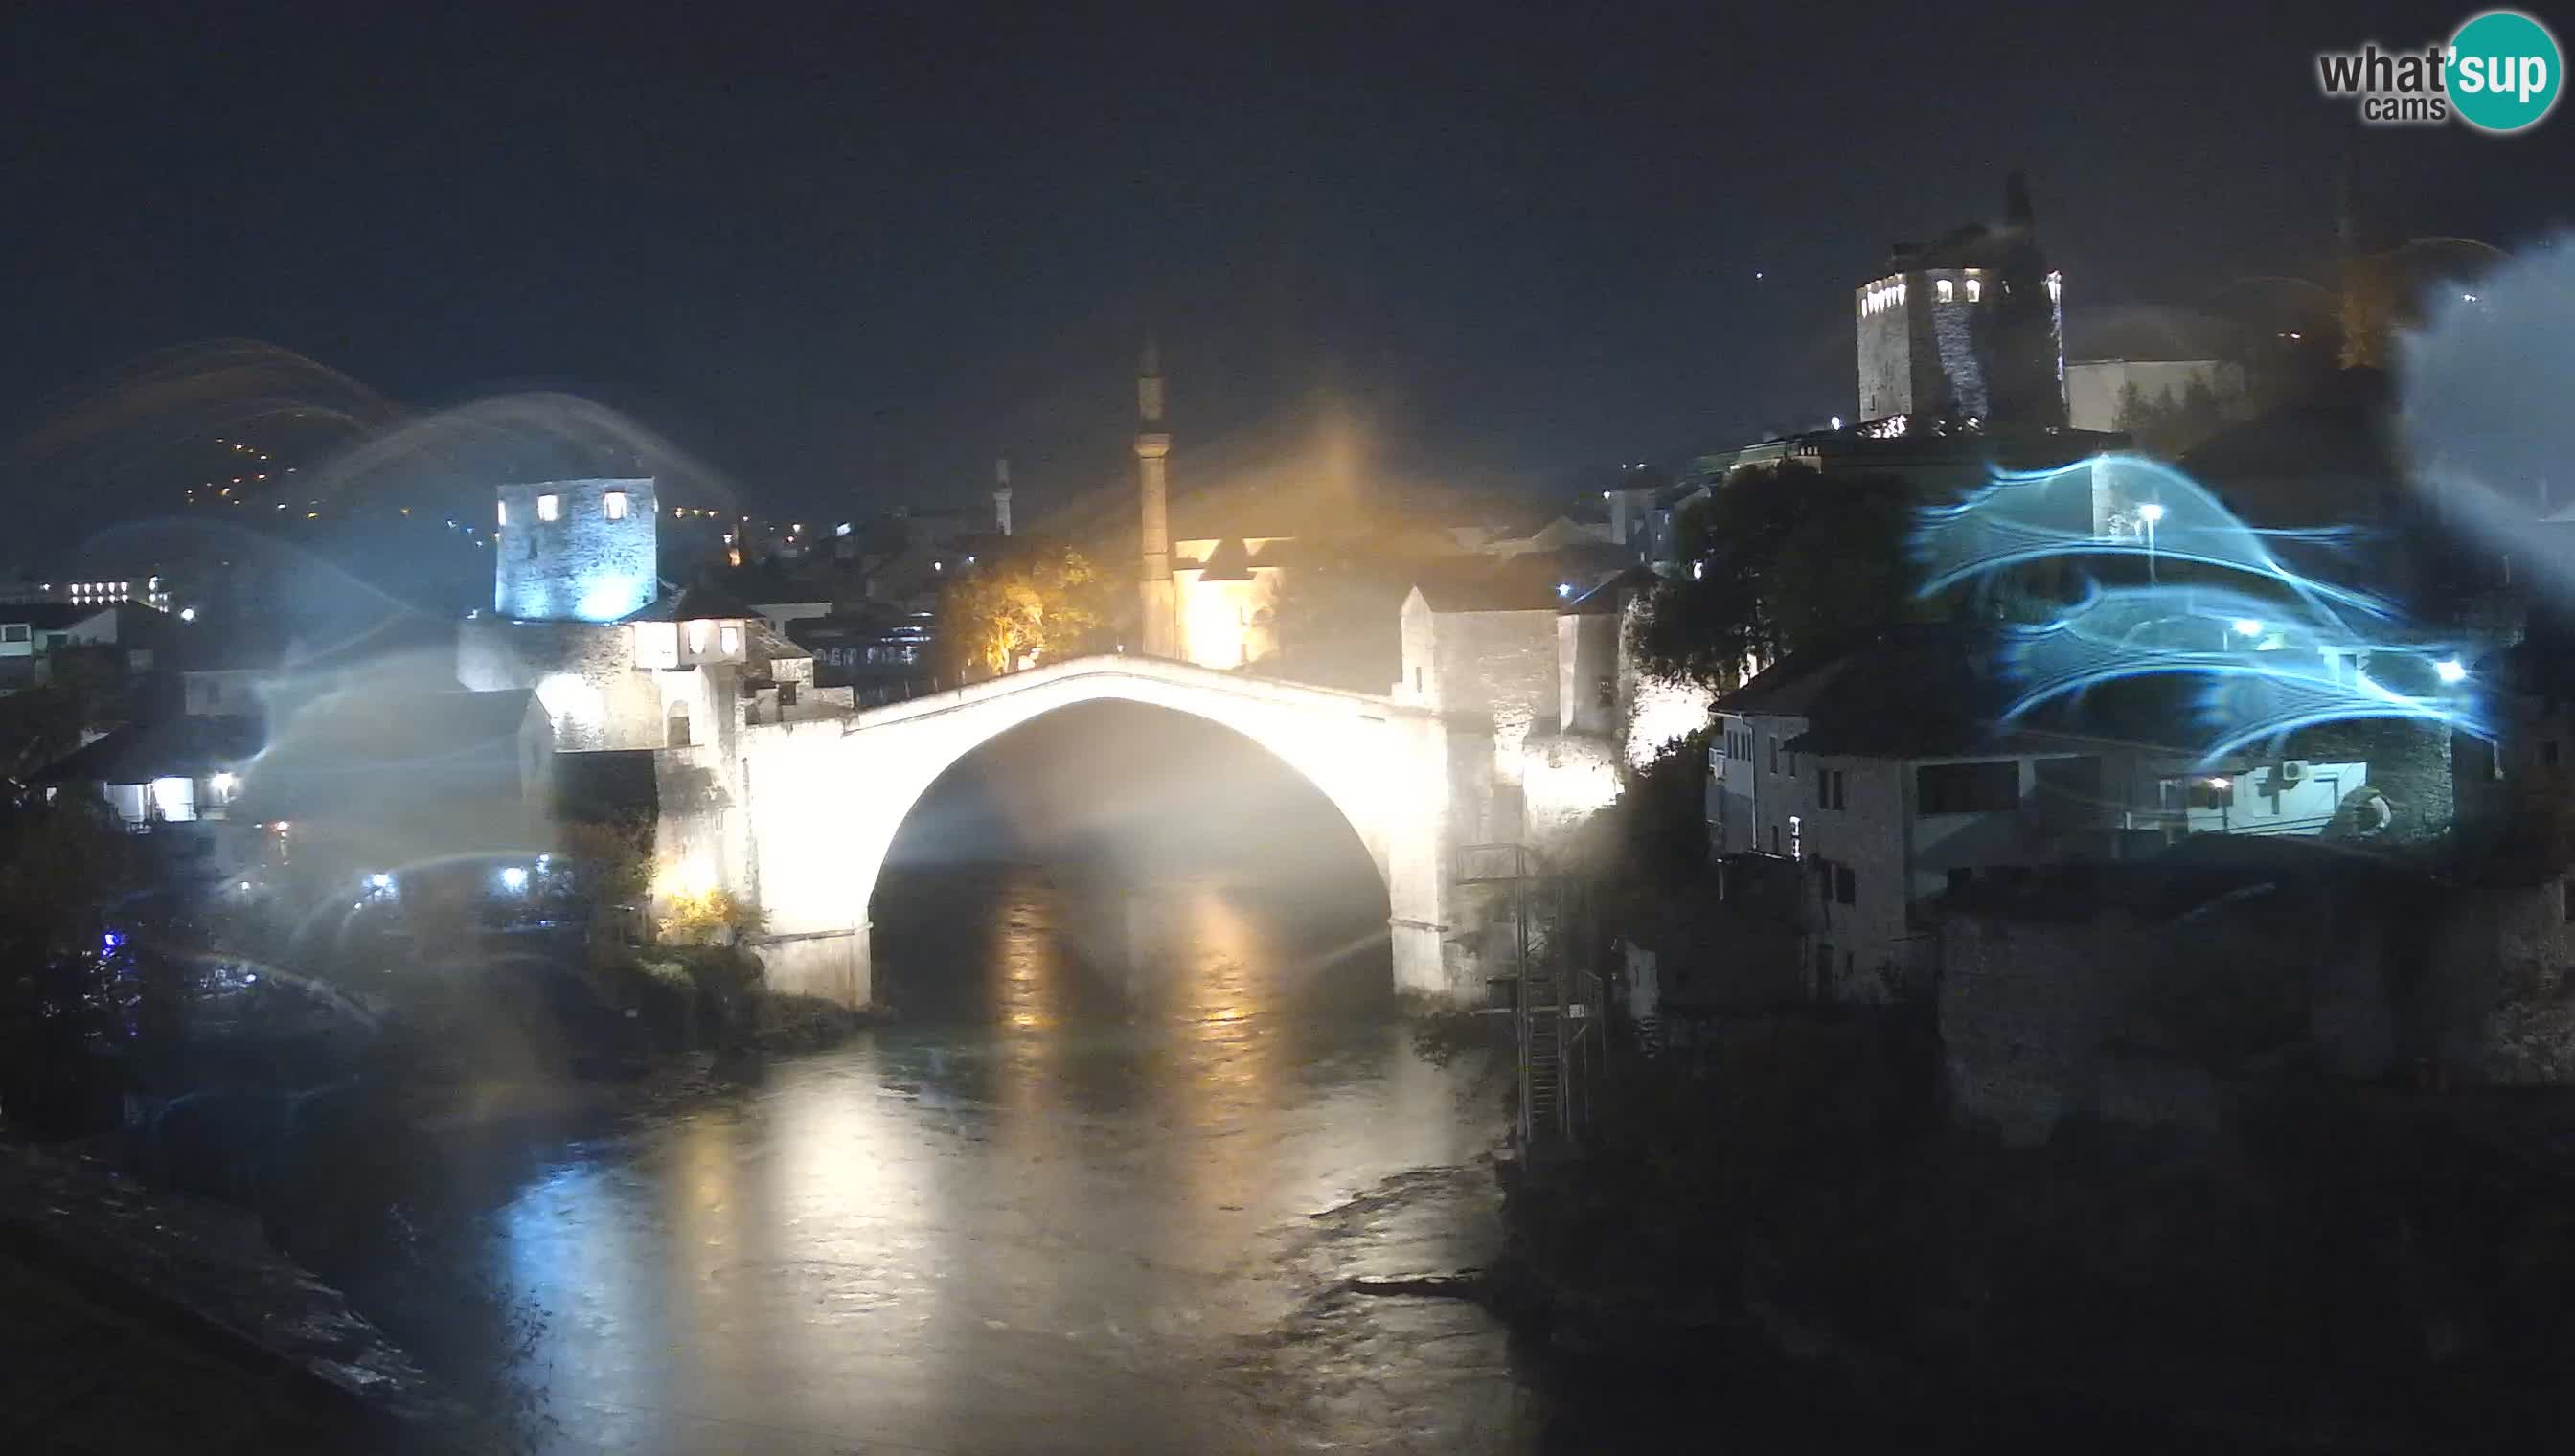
{"type": "Point", "coordinates": [2286, 775]}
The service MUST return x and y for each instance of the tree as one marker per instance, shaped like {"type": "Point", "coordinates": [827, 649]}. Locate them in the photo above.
{"type": "Point", "coordinates": [1038, 602]}
{"type": "Point", "coordinates": [612, 861]}
{"type": "Point", "coordinates": [2169, 425]}
{"type": "Point", "coordinates": [711, 918]}
{"type": "Point", "coordinates": [1781, 558]}
{"type": "Point", "coordinates": [84, 693]}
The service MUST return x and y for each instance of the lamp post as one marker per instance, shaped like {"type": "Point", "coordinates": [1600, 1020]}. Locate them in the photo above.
{"type": "Point", "coordinates": [2150, 512]}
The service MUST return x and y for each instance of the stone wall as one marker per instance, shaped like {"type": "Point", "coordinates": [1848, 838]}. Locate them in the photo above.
{"type": "Point", "coordinates": [1886, 360]}
{"type": "Point", "coordinates": [581, 566]}
{"type": "Point", "coordinates": [1497, 664]}
{"type": "Point", "coordinates": [583, 674]}
{"type": "Point", "coordinates": [2500, 1009]}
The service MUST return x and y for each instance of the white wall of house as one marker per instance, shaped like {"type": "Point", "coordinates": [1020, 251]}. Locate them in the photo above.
{"type": "Point", "coordinates": [2093, 385]}
{"type": "Point", "coordinates": [1754, 801]}
{"type": "Point", "coordinates": [2266, 801]}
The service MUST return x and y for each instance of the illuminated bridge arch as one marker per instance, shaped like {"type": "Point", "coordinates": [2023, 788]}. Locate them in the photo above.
{"type": "Point", "coordinates": [817, 803]}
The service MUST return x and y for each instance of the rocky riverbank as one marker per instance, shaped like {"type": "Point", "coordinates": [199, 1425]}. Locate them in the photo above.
{"type": "Point", "coordinates": [140, 1321]}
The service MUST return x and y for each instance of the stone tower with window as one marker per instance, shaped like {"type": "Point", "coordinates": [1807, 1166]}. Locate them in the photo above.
{"type": "Point", "coordinates": [575, 551]}
{"type": "Point", "coordinates": [1967, 333]}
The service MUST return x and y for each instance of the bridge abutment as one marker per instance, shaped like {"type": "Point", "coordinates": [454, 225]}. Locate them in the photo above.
{"type": "Point", "coordinates": [832, 965]}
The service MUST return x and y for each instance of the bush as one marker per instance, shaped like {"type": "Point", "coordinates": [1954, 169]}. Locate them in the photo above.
{"type": "Point", "coordinates": [713, 917]}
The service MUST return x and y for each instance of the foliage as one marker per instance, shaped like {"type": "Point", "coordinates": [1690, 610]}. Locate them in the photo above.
{"type": "Point", "coordinates": [1781, 559]}
{"type": "Point", "coordinates": [711, 918]}
{"type": "Point", "coordinates": [612, 860]}
{"type": "Point", "coordinates": [2169, 425]}
{"type": "Point", "coordinates": [84, 694]}
{"type": "Point", "coordinates": [83, 963]}
{"type": "Point", "coordinates": [1018, 609]}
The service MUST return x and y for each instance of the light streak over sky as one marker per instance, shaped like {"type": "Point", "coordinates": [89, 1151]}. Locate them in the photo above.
{"type": "Point", "coordinates": [2262, 648]}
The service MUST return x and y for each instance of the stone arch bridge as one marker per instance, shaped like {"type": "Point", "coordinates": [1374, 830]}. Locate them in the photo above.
{"type": "Point", "coordinates": [814, 805]}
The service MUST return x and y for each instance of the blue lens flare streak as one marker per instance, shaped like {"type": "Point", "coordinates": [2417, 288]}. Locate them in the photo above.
{"type": "Point", "coordinates": [2271, 649]}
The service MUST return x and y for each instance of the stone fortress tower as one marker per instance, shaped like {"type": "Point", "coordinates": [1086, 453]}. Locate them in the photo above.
{"type": "Point", "coordinates": [1967, 332]}
{"type": "Point", "coordinates": [1159, 629]}
{"type": "Point", "coordinates": [581, 550]}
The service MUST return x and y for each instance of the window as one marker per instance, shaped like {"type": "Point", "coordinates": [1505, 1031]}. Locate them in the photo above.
{"type": "Point", "coordinates": [1837, 790]}
{"type": "Point", "coordinates": [732, 640]}
{"type": "Point", "coordinates": [1605, 692]}
{"type": "Point", "coordinates": [1775, 753]}
{"type": "Point", "coordinates": [2548, 752]}
{"type": "Point", "coordinates": [1416, 680]}
{"type": "Point", "coordinates": [1966, 789]}
{"type": "Point", "coordinates": [1846, 885]}
{"type": "Point", "coordinates": [1774, 839]}
{"type": "Point", "coordinates": [504, 518]}
{"type": "Point", "coordinates": [613, 504]}
{"type": "Point", "coordinates": [1829, 788]}
{"type": "Point", "coordinates": [1976, 290]}
{"type": "Point", "coordinates": [548, 508]}
{"type": "Point", "coordinates": [1796, 838]}
{"type": "Point", "coordinates": [698, 636]}
{"type": "Point", "coordinates": [1946, 289]}
{"type": "Point", "coordinates": [14, 631]}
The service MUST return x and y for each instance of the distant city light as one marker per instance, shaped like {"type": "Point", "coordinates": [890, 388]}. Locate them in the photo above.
{"type": "Point", "coordinates": [380, 880]}
{"type": "Point", "coordinates": [110, 941]}
{"type": "Point", "coordinates": [2450, 669]}
{"type": "Point", "coordinates": [1565, 589]}
{"type": "Point", "coordinates": [221, 783]}
{"type": "Point", "coordinates": [187, 613]}
{"type": "Point", "coordinates": [1837, 422]}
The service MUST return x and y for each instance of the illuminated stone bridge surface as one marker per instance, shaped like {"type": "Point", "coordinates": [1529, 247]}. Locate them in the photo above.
{"type": "Point", "coordinates": [820, 800]}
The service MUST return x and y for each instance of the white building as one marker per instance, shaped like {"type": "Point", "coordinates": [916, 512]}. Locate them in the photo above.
{"type": "Point", "coordinates": [1880, 771]}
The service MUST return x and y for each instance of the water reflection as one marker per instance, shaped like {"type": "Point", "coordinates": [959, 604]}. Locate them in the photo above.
{"type": "Point", "coordinates": [1060, 1207]}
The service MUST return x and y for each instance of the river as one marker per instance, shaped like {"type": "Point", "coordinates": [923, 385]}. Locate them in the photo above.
{"type": "Point", "coordinates": [1093, 1194]}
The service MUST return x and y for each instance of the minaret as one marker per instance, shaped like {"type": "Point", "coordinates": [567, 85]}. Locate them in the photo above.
{"type": "Point", "coordinates": [1001, 495]}
{"type": "Point", "coordinates": [1160, 636]}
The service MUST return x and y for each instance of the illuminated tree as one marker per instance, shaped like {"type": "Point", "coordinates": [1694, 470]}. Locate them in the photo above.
{"type": "Point", "coordinates": [710, 918]}
{"type": "Point", "coordinates": [1018, 610]}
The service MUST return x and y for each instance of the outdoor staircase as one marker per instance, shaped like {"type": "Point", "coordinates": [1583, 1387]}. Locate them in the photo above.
{"type": "Point", "coordinates": [1548, 1024]}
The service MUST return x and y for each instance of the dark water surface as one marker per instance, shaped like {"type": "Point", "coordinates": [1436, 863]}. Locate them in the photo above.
{"type": "Point", "coordinates": [1099, 1192]}
{"type": "Point", "coordinates": [1069, 1204]}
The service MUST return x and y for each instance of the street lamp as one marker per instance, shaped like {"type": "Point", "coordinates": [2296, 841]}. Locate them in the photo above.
{"type": "Point", "coordinates": [2450, 670]}
{"type": "Point", "coordinates": [2150, 512]}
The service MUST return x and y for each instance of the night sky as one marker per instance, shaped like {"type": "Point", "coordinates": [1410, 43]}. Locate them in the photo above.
{"type": "Point", "coordinates": [848, 255]}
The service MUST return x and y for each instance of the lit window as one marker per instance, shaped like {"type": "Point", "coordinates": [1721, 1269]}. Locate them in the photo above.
{"type": "Point", "coordinates": [1976, 290]}
{"type": "Point", "coordinates": [1946, 289]}
{"type": "Point", "coordinates": [614, 504]}
{"type": "Point", "coordinates": [697, 636]}
{"type": "Point", "coordinates": [549, 507]}
{"type": "Point", "coordinates": [732, 640]}
{"type": "Point", "coordinates": [504, 513]}
{"type": "Point", "coordinates": [2056, 287]}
